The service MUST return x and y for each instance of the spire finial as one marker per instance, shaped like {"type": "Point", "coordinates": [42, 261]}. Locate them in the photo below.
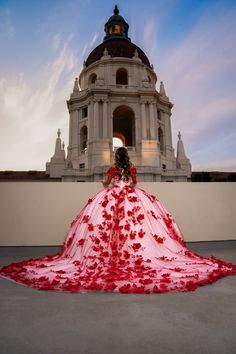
{"type": "Point", "coordinates": [58, 133]}
{"type": "Point", "coordinates": [179, 135]}
{"type": "Point", "coordinates": [76, 85]}
{"type": "Point", "coordinates": [162, 89]}
{"type": "Point", "coordinates": [63, 145]}
{"type": "Point", "coordinates": [116, 10]}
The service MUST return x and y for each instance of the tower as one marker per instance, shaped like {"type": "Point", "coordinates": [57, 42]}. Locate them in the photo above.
{"type": "Point", "coordinates": [115, 97]}
{"type": "Point", "coordinates": [57, 162]}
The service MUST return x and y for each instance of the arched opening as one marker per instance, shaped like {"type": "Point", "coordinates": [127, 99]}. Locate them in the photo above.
{"type": "Point", "coordinates": [83, 139]}
{"type": "Point", "coordinates": [124, 126]}
{"type": "Point", "coordinates": [92, 78]}
{"type": "Point", "coordinates": [122, 77]}
{"type": "Point", "coordinates": [161, 139]}
{"type": "Point", "coordinates": [117, 142]}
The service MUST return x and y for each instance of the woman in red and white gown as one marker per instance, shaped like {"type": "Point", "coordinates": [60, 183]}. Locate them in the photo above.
{"type": "Point", "coordinates": [123, 240]}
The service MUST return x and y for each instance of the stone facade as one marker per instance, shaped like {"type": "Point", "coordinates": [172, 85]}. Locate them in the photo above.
{"type": "Point", "coordinates": [115, 96]}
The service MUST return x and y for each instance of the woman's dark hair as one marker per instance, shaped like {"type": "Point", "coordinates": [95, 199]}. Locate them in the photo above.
{"type": "Point", "coordinates": [122, 161]}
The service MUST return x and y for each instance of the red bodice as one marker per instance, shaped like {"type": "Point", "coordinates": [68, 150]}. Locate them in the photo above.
{"type": "Point", "coordinates": [114, 172]}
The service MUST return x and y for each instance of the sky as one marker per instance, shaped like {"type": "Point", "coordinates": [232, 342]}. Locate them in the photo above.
{"type": "Point", "coordinates": [191, 44]}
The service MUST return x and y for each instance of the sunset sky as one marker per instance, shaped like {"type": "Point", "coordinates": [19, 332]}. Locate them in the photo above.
{"type": "Point", "coordinates": [190, 43]}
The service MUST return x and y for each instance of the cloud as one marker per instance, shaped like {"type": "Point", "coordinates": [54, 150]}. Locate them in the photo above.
{"type": "Point", "coordinates": [225, 165]}
{"type": "Point", "coordinates": [89, 44]}
{"type": "Point", "coordinates": [149, 37]}
{"type": "Point", "coordinates": [56, 41]}
{"type": "Point", "coordinates": [31, 112]}
{"type": "Point", "coordinates": [199, 77]}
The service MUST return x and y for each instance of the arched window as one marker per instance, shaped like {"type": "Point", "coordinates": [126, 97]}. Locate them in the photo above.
{"type": "Point", "coordinates": [92, 78]}
{"type": "Point", "coordinates": [83, 138]}
{"type": "Point", "coordinates": [121, 77]}
{"type": "Point", "coordinates": [161, 139]}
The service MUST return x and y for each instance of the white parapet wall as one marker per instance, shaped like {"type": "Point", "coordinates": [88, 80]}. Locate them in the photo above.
{"type": "Point", "coordinates": [40, 213]}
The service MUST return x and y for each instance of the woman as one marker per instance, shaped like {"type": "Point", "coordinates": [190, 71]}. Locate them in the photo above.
{"type": "Point", "coordinates": [123, 240]}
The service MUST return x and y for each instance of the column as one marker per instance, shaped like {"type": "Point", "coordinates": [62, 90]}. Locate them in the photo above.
{"type": "Point", "coordinates": [105, 120]}
{"type": "Point", "coordinates": [90, 120]}
{"type": "Point", "coordinates": [152, 123]}
{"type": "Point", "coordinates": [75, 134]}
{"type": "Point", "coordinates": [75, 128]}
{"type": "Point", "coordinates": [144, 125]}
{"type": "Point", "coordinates": [95, 119]}
{"type": "Point", "coordinates": [70, 129]}
{"type": "Point", "coordinates": [168, 129]}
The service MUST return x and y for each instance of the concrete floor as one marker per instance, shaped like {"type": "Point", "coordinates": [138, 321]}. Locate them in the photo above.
{"type": "Point", "coordinates": [47, 322]}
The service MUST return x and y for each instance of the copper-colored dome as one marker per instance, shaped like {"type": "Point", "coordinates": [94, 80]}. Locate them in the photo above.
{"type": "Point", "coordinates": [116, 47]}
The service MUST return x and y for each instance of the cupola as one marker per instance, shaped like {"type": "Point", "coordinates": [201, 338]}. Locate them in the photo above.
{"type": "Point", "coordinates": [116, 27]}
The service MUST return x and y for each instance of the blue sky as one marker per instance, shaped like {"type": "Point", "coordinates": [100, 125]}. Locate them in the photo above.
{"type": "Point", "coordinates": [190, 43]}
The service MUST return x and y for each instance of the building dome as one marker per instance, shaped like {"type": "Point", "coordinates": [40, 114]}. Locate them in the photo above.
{"type": "Point", "coordinates": [117, 47]}
{"type": "Point", "coordinates": [116, 42]}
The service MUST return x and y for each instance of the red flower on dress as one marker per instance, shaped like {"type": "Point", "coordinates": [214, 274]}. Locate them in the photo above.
{"type": "Point", "coordinates": [132, 235]}
{"type": "Point", "coordinates": [106, 215]}
{"type": "Point", "coordinates": [152, 197]}
{"type": "Point", "coordinates": [159, 239]}
{"type": "Point", "coordinates": [140, 217]}
{"type": "Point", "coordinates": [90, 200]}
{"type": "Point", "coordinates": [109, 226]}
{"type": "Point", "coordinates": [85, 218]}
{"type": "Point", "coordinates": [177, 269]}
{"type": "Point", "coordinates": [96, 240]}
{"type": "Point", "coordinates": [136, 246]}
{"type": "Point", "coordinates": [104, 203]}
{"type": "Point", "coordinates": [43, 278]}
{"type": "Point", "coordinates": [191, 286]}
{"type": "Point", "coordinates": [81, 242]}
{"type": "Point", "coordinates": [90, 227]}
{"type": "Point", "coordinates": [104, 237]}
{"type": "Point", "coordinates": [95, 248]}
{"type": "Point", "coordinates": [110, 286]}
{"type": "Point", "coordinates": [125, 288]}
{"type": "Point", "coordinates": [105, 254]}
{"type": "Point", "coordinates": [138, 261]}
{"type": "Point", "coordinates": [133, 199]}
{"type": "Point", "coordinates": [129, 213]}
{"type": "Point", "coordinates": [164, 258]}
{"type": "Point", "coordinates": [146, 281]}
{"type": "Point", "coordinates": [127, 227]}
{"type": "Point", "coordinates": [76, 263]}
{"type": "Point", "coordinates": [126, 254]}
{"type": "Point", "coordinates": [141, 233]}
{"type": "Point", "coordinates": [122, 237]}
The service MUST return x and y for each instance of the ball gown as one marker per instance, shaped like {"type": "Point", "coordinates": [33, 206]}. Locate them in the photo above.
{"type": "Point", "coordinates": [123, 240]}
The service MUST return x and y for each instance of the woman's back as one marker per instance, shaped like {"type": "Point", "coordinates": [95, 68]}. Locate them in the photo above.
{"type": "Point", "coordinates": [119, 174]}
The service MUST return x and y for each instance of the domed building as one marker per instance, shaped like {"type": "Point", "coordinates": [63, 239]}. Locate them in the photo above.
{"type": "Point", "coordinates": [115, 103]}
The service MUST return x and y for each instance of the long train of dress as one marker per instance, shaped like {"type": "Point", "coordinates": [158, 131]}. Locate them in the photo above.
{"type": "Point", "coordinates": [123, 240]}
